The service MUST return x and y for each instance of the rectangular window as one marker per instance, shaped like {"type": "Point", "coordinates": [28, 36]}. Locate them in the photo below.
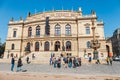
{"type": "Point", "coordinates": [14, 34]}
{"type": "Point", "coordinates": [68, 32]}
{"type": "Point", "coordinates": [38, 33]}
{"type": "Point", "coordinates": [87, 30]}
{"type": "Point", "coordinates": [57, 32]}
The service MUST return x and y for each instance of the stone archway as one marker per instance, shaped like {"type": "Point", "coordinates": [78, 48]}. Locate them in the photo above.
{"type": "Point", "coordinates": [57, 45]}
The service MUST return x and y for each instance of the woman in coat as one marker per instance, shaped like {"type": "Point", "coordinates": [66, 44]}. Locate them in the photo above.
{"type": "Point", "coordinates": [19, 65]}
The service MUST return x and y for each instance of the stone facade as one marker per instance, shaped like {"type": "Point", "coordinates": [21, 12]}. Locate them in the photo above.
{"type": "Point", "coordinates": [74, 34]}
{"type": "Point", "coordinates": [116, 42]}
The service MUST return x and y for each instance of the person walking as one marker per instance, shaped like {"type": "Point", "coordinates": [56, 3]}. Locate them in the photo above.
{"type": "Point", "coordinates": [12, 63]}
{"type": "Point", "coordinates": [70, 62]}
{"type": "Point", "coordinates": [111, 61]}
{"type": "Point", "coordinates": [59, 63]}
{"type": "Point", "coordinates": [33, 56]}
{"type": "Point", "coordinates": [51, 60]}
{"type": "Point", "coordinates": [74, 63]}
{"type": "Point", "coordinates": [98, 61]}
{"type": "Point", "coordinates": [90, 59]}
{"type": "Point", "coordinates": [65, 61]}
{"type": "Point", "coordinates": [19, 65]}
{"type": "Point", "coordinates": [79, 61]}
{"type": "Point", "coordinates": [27, 59]}
{"type": "Point", "coordinates": [107, 59]}
{"type": "Point", "coordinates": [54, 62]}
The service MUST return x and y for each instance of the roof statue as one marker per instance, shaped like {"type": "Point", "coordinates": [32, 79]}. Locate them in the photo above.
{"type": "Point", "coordinates": [80, 9]}
{"type": "Point", "coordinates": [12, 19]}
{"type": "Point", "coordinates": [29, 14]}
{"type": "Point", "coordinates": [21, 18]}
{"type": "Point", "coordinates": [93, 12]}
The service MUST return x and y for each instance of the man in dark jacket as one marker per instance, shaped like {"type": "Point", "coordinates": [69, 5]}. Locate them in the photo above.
{"type": "Point", "coordinates": [12, 63]}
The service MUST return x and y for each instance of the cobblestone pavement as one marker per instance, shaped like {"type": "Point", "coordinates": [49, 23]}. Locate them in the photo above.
{"type": "Point", "coordinates": [85, 69]}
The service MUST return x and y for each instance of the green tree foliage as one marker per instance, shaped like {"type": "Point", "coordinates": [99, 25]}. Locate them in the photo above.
{"type": "Point", "coordinates": [2, 48]}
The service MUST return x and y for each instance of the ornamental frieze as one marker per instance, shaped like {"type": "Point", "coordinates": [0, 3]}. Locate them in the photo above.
{"type": "Point", "coordinates": [62, 14]}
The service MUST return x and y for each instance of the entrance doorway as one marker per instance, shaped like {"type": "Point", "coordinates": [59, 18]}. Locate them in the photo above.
{"type": "Point", "coordinates": [108, 50]}
{"type": "Point", "coordinates": [57, 45]}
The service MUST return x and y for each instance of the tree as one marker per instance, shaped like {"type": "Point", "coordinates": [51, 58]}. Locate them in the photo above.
{"type": "Point", "coordinates": [2, 49]}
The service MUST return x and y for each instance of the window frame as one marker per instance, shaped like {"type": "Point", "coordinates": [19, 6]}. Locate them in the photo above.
{"type": "Point", "coordinates": [88, 44]}
{"type": "Point", "coordinates": [87, 30]}
{"type": "Point", "coordinates": [68, 47]}
{"type": "Point", "coordinates": [29, 31]}
{"type": "Point", "coordinates": [38, 30]}
{"type": "Point", "coordinates": [37, 46]}
{"type": "Point", "coordinates": [14, 33]}
{"type": "Point", "coordinates": [46, 46]}
{"type": "Point", "coordinates": [13, 46]}
{"type": "Point", "coordinates": [57, 30]}
{"type": "Point", "coordinates": [67, 29]}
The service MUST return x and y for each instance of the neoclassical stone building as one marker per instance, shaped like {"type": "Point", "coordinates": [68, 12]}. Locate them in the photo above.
{"type": "Point", "coordinates": [57, 32]}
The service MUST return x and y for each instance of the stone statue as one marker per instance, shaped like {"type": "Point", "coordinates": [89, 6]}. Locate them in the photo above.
{"type": "Point", "coordinates": [29, 14]}
{"type": "Point", "coordinates": [12, 19]}
{"type": "Point", "coordinates": [80, 9]}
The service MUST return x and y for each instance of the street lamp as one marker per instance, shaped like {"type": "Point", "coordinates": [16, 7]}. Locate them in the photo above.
{"type": "Point", "coordinates": [8, 54]}
{"type": "Point", "coordinates": [94, 43]}
{"type": "Point", "coordinates": [84, 53]}
{"type": "Point", "coordinates": [63, 48]}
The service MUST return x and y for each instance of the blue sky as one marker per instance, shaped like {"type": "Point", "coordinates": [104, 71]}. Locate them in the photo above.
{"type": "Point", "coordinates": [106, 10]}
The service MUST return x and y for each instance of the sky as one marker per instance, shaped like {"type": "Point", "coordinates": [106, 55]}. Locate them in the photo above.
{"type": "Point", "coordinates": [106, 10]}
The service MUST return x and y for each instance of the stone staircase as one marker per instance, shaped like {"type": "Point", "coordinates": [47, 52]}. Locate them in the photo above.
{"type": "Point", "coordinates": [44, 57]}
{"type": "Point", "coordinates": [4, 60]}
{"type": "Point", "coordinates": [40, 57]}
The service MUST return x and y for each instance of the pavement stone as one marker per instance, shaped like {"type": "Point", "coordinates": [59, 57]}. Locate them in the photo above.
{"type": "Point", "coordinates": [85, 69]}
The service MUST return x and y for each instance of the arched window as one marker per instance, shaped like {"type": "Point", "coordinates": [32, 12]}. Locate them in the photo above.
{"type": "Point", "coordinates": [28, 46]}
{"type": "Point", "coordinates": [57, 45]}
{"type": "Point", "coordinates": [68, 46]}
{"type": "Point", "coordinates": [37, 46]}
{"type": "Point", "coordinates": [13, 47]}
{"type": "Point", "coordinates": [87, 30]}
{"type": "Point", "coordinates": [46, 46]}
{"type": "Point", "coordinates": [29, 31]}
{"type": "Point", "coordinates": [88, 44]}
{"type": "Point", "coordinates": [38, 31]}
{"type": "Point", "coordinates": [57, 30]}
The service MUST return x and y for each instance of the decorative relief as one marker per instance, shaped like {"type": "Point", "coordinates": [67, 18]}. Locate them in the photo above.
{"type": "Point", "coordinates": [62, 22]}
{"type": "Point", "coordinates": [14, 28]}
{"type": "Point", "coordinates": [60, 14]}
{"type": "Point", "coordinates": [87, 24]}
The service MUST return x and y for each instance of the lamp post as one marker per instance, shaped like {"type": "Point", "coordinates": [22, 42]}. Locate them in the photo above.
{"type": "Point", "coordinates": [8, 54]}
{"type": "Point", "coordinates": [94, 43]}
{"type": "Point", "coordinates": [84, 53]}
{"type": "Point", "coordinates": [63, 48]}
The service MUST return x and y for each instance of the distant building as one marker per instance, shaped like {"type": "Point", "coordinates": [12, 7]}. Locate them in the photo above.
{"type": "Point", "coordinates": [67, 32]}
{"type": "Point", "coordinates": [116, 42]}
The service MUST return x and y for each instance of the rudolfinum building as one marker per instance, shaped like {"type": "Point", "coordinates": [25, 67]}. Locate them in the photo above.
{"type": "Point", "coordinates": [59, 32]}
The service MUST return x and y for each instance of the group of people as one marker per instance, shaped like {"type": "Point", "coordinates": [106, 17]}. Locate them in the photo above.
{"type": "Point", "coordinates": [19, 64]}
{"type": "Point", "coordinates": [67, 61]}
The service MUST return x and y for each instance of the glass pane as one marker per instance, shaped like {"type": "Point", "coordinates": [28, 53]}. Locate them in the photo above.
{"type": "Point", "coordinates": [14, 34]}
